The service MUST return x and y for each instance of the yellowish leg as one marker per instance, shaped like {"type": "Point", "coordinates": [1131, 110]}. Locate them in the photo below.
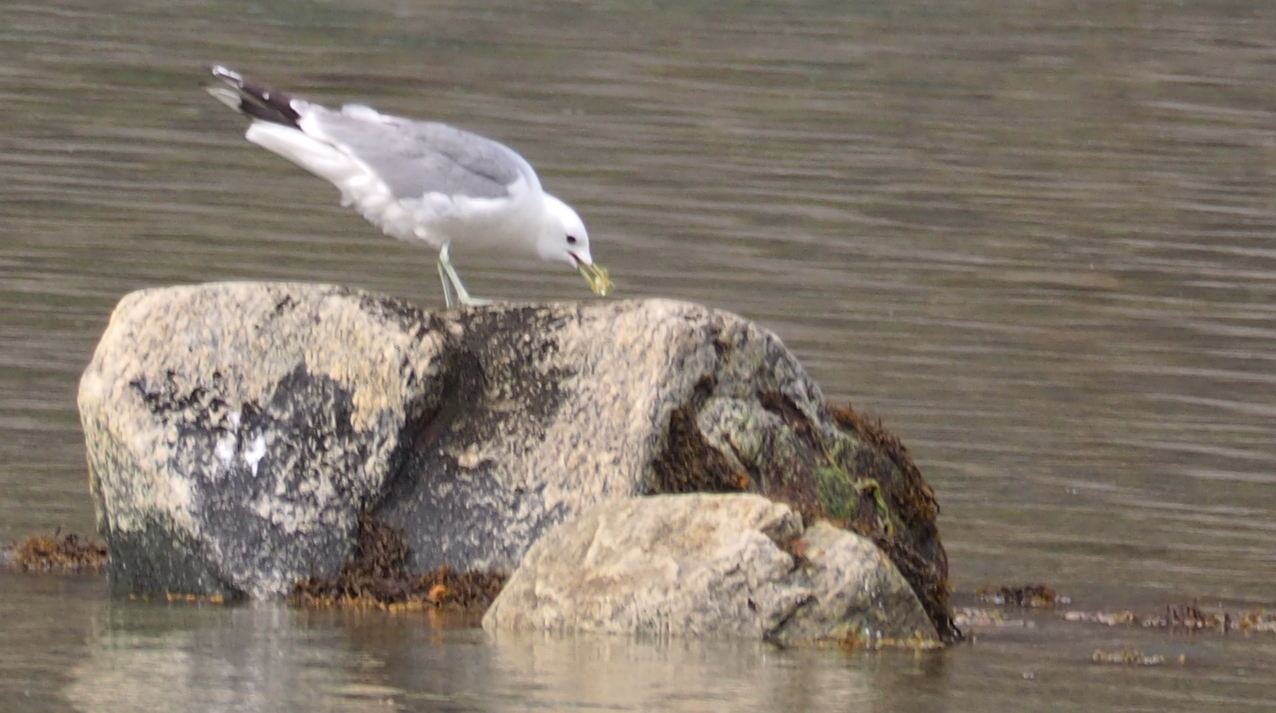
{"type": "Point", "coordinates": [452, 281]}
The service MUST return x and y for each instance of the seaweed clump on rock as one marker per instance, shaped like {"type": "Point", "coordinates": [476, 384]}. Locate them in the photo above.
{"type": "Point", "coordinates": [67, 553]}
{"type": "Point", "coordinates": [376, 577]}
{"type": "Point", "coordinates": [899, 485]}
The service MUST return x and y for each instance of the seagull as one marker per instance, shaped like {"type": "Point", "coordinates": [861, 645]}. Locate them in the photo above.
{"type": "Point", "coordinates": [419, 181]}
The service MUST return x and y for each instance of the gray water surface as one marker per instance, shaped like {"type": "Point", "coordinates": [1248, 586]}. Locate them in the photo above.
{"type": "Point", "coordinates": [1035, 238]}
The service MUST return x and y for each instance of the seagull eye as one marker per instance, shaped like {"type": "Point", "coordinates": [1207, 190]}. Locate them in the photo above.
{"type": "Point", "coordinates": [571, 239]}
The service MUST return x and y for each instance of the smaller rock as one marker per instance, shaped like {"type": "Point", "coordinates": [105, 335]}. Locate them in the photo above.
{"type": "Point", "coordinates": [679, 564]}
{"type": "Point", "coordinates": [706, 564]}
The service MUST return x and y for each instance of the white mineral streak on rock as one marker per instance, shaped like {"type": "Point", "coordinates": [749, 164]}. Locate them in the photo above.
{"type": "Point", "coordinates": [255, 452]}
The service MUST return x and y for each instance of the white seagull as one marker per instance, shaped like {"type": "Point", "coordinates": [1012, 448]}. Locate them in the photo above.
{"type": "Point", "coordinates": [418, 181]}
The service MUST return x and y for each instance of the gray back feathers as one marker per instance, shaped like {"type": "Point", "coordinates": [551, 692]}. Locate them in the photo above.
{"type": "Point", "coordinates": [414, 157]}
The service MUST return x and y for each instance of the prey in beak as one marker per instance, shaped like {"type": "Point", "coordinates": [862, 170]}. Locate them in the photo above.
{"type": "Point", "coordinates": [595, 275]}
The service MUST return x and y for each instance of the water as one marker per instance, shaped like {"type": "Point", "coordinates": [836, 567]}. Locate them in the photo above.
{"type": "Point", "coordinates": [1034, 238]}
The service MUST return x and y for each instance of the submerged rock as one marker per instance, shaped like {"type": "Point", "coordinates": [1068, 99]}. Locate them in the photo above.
{"type": "Point", "coordinates": [709, 565]}
{"type": "Point", "coordinates": [237, 432]}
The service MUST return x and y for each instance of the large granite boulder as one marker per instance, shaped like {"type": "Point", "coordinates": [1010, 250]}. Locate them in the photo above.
{"type": "Point", "coordinates": [236, 432]}
{"type": "Point", "coordinates": [709, 565]}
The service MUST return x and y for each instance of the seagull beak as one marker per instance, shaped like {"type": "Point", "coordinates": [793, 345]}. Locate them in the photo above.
{"type": "Point", "coordinates": [595, 275]}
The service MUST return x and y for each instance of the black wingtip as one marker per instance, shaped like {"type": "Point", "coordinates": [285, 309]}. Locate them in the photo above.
{"type": "Point", "coordinates": [251, 99]}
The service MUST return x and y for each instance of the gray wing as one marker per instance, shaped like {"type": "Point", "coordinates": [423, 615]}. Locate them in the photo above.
{"type": "Point", "coordinates": [415, 158]}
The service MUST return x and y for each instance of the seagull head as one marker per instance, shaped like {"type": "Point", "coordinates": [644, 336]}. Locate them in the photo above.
{"type": "Point", "coordinates": [563, 238]}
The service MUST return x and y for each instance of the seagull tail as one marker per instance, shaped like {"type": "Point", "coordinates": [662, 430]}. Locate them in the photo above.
{"type": "Point", "coordinates": [251, 99]}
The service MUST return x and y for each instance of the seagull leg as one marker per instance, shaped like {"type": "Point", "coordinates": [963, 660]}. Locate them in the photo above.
{"type": "Point", "coordinates": [448, 274]}
{"type": "Point", "coordinates": [447, 286]}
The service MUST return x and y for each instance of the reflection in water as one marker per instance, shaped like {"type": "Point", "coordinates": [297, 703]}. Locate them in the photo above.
{"type": "Point", "coordinates": [603, 673]}
{"type": "Point", "coordinates": [106, 656]}
{"type": "Point", "coordinates": [269, 659]}
{"type": "Point", "coordinates": [142, 658]}
{"type": "Point", "coordinates": [1034, 237]}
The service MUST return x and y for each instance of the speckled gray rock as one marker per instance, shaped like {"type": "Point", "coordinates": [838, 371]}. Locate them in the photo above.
{"type": "Point", "coordinates": [237, 431]}
{"type": "Point", "coordinates": [708, 565]}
